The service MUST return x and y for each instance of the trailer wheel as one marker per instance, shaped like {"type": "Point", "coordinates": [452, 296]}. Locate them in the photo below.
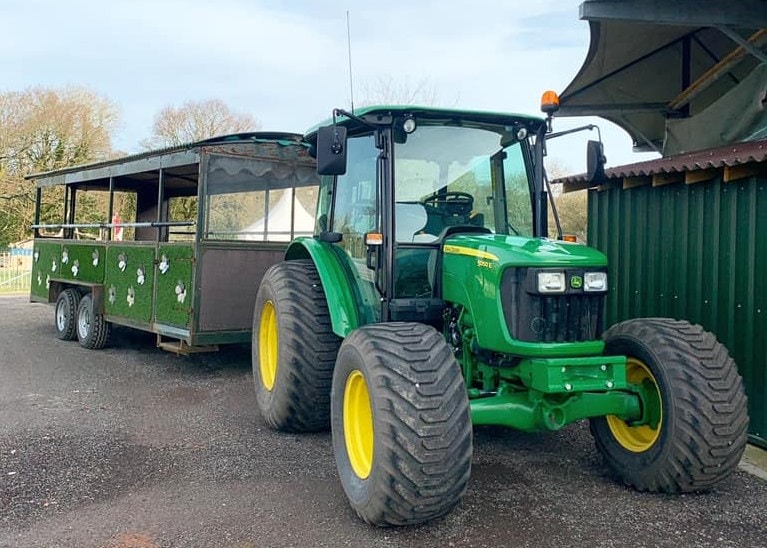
{"type": "Point", "coordinates": [92, 329]}
{"type": "Point", "coordinates": [402, 433]}
{"type": "Point", "coordinates": [294, 348]}
{"type": "Point", "coordinates": [694, 398]}
{"type": "Point", "coordinates": [66, 314]}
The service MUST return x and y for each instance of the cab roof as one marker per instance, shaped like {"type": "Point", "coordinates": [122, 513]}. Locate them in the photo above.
{"type": "Point", "coordinates": [434, 115]}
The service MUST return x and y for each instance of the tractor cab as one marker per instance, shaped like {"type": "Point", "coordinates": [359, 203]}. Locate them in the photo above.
{"type": "Point", "coordinates": [400, 183]}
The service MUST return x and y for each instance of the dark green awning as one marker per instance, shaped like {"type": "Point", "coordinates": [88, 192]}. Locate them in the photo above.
{"type": "Point", "coordinates": [677, 76]}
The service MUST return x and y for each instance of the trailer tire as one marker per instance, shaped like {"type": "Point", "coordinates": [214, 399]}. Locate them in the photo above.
{"type": "Point", "coordinates": [65, 314]}
{"type": "Point", "coordinates": [703, 420]}
{"type": "Point", "coordinates": [93, 330]}
{"type": "Point", "coordinates": [402, 433]}
{"type": "Point", "coordinates": [294, 348]}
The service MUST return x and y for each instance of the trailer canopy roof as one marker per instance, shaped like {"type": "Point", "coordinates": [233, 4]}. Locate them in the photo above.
{"type": "Point", "coordinates": [677, 76]}
{"type": "Point", "coordinates": [179, 163]}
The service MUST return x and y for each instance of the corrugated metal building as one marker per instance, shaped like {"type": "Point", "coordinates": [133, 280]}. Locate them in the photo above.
{"type": "Point", "coordinates": [686, 237]}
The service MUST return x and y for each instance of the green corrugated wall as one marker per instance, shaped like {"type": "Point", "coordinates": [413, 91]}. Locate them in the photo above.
{"type": "Point", "coordinates": [697, 252]}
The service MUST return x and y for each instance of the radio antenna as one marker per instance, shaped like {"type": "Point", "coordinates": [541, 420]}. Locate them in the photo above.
{"type": "Point", "coordinates": [349, 50]}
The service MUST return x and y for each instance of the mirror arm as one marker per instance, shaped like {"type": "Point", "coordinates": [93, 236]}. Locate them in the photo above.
{"type": "Point", "coordinates": [574, 130]}
{"type": "Point", "coordinates": [351, 116]}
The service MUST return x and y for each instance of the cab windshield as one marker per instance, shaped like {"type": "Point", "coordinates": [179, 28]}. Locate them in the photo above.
{"type": "Point", "coordinates": [460, 176]}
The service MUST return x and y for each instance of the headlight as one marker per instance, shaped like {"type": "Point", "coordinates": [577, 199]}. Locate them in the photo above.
{"type": "Point", "coordinates": [595, 281]}
{"type": "Point", "coordinates": [551, 282]}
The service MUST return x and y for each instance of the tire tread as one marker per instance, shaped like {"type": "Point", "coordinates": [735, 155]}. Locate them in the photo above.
{"type": "Point", "coordinates": [427, 444]}
{"type": "Point", "coordinates": [308, 349]}
{"type": "Point", "coordinates": [100, 329]}
{"type": "Point", "coordinates": [709, 402]}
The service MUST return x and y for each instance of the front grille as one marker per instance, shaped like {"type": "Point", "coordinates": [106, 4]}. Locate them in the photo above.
{"type": "Point", "coordinates": [532, 317]}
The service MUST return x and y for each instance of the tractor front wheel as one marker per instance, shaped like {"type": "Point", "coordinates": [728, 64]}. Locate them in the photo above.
{"type": "Point", "coordinates": [402, 434]}
{"type": "Point", "coordinates": [694, 426]}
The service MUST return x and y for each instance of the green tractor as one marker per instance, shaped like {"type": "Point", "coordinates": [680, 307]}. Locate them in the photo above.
{"type": "Point", "coordinates": [430, 299]}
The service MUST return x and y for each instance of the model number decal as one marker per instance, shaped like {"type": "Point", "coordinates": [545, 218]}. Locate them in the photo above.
{"type": "Point", "coordinates": [470, 252]}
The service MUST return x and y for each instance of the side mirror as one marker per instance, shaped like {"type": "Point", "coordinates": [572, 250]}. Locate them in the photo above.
{"type": "Point", "coordinates": [331, 150]}
{"type": "Point", "coordinates": [595, 161]}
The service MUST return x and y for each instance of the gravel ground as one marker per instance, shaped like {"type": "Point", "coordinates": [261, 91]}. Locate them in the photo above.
{"type": "Point", "coordinates": [134, 447]}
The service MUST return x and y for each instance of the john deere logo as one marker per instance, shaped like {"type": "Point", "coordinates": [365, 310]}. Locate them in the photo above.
{"type": "Point", "coordinates": [576, 282]}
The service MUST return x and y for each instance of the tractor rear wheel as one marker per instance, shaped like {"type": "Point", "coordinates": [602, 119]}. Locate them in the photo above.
{"type": "Point", "coordinates": [694, 408]}
{"type": "Point", "coordinates": [66, 314]}
{"type": "Point", "coordinates": [402, 434]}
{"type": "Point", "coordinates": [294, 348]}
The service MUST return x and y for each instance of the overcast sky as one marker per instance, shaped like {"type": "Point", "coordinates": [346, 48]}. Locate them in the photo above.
{"type": "Point", "coordinates": [286, 62]}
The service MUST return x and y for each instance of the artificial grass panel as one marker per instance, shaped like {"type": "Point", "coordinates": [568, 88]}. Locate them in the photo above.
{"type": "Point", "coordinates": [124, 294]}
{"type": "Point", "coordinates": [174, 284]}
{"type": "Point", "coordinates": [76, 262]}
{"type": "Point", "coordinates": [44, 256]}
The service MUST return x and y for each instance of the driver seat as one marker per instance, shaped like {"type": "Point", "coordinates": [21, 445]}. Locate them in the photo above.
{"type": "Point", "coordinates": [410, 221]}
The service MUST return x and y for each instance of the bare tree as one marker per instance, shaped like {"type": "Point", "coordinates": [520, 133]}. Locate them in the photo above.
{"type": "Point", "coordinates": [387, 90]}
{"type": "Point", "coordinates": [571, 206]}
{"type": "Point", "coordinates": [195, 121]}
{"type": "Point", "coordinates": [573, 213]}
{"type": "Point", "coordinates": [44, 129]}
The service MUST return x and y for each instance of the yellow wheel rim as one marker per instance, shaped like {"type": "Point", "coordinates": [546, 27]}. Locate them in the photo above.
{"type": "Point", "coordinates": [267, 345]}
{"type": "Point", "coordinates": [358, 424]}
{"type": "Point", "coordinates": [637, 439]}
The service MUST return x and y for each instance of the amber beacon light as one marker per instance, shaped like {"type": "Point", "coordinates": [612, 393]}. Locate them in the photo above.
{"type": "Point", "coordinates": [549, 102]}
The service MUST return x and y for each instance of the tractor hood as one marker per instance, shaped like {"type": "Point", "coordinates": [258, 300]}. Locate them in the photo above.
{"type": "Point", "coordinates": [479, 274]}
{"type": "Point", "coordinates": [496, 249]}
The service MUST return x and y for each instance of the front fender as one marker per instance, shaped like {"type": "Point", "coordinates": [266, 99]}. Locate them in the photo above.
{"type": "Point", "coordinates": [338, 292]}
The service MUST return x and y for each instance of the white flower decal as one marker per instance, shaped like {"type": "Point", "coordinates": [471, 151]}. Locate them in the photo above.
{"type": "Point", "coordinates": [48, 282]}
{"type": "Point", "coordinates": [131, 296]}
{"type": "Point", "coordinates": [75, 267]}
{"type": "Point", "coordinates": [53, 265]}
{"type": "Point", "coordinates": [95, 257]}
{"type": "Point", "coordinates": [140, 275]}
{"type": "Point", "coordinates": [180, 292]}
{"type": "Point", "coordinates": [122, 262]}
{"type": "Point", "coordinates": [64, 256]}
{"type": "Point", "coordinates": [37, 255]}
{"type": "Point", "coordinates": [39, 279]}
{"type": "Point", "coordinates": [164, 264]}
{"type": "Point", "coordinates": [112, 294]}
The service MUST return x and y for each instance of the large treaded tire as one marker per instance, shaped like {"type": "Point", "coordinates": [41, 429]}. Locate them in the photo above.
{"type": "Point", "coordinates": [306, 349]}
{"type": "Point", "coordinates": [704, 425]}
{"type": "Point", "coordinates": [65, 314]}
{"type": "Point", "coordinates": [421, 425]}
{"type": "Point", "coordinates": [93, 330]}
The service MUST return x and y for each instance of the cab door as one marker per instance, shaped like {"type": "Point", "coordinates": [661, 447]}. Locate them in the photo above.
{"type": "Point", "coordinates": [354, 213]}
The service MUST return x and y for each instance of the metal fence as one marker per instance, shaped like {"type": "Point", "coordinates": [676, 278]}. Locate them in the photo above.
{"type": "Point", "coordinates": [15, 269]}
{"type": "Point", "coordinates": [694, 251]}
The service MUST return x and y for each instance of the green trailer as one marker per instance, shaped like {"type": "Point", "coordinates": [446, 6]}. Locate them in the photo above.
{"type": "Point", "coordinates": [173, 241]}
{"type": "Point", "coordinates": [430, 300]}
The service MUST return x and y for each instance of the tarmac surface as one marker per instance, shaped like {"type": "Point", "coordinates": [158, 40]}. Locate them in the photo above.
{"type": "Point", "coordinates": [134, 447]}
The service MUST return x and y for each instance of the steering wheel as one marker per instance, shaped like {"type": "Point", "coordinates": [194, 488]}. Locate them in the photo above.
{"type": "Point", "coordinates": [451, 202]}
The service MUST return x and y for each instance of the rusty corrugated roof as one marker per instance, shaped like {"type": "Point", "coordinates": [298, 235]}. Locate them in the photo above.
{"type": "Point", "coordinates": [730, 155]}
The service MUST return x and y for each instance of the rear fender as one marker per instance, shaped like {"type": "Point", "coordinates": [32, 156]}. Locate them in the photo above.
{"type": "Point", "coordinates": [338, 293]}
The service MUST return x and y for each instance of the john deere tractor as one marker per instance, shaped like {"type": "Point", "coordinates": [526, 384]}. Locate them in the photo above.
{"type": "Point", "coordinates": [431, 299]}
